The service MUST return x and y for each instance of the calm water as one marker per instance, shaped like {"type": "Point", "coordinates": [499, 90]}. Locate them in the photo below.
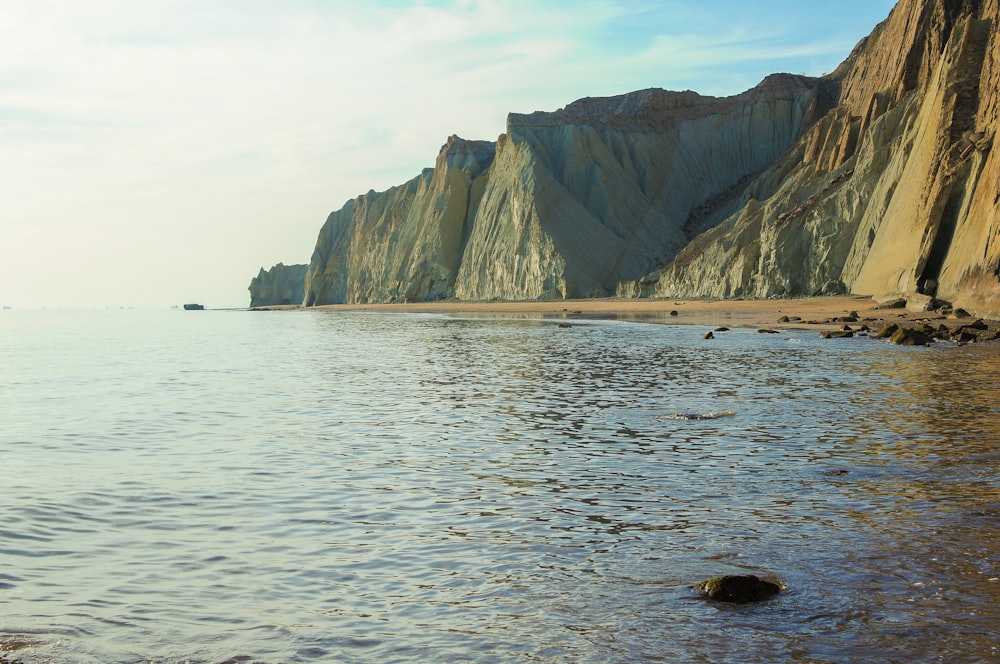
{"type": "Point", "coordinates": [320, 487]}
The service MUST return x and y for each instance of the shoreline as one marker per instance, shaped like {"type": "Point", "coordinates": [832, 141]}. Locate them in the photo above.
{"type": "Point", "coordinates": [823, 313]}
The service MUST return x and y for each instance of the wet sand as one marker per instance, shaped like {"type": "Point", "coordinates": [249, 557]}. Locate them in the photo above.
{"type": "Point", "coordinates": [820, 313]}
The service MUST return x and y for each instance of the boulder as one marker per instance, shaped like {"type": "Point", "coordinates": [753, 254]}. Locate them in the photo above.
{"type": "Point", "coordinates": [906, 336]}
{"type": "Point", "coordinates": [886, 331]}
{"type": "Point", "coordinates": [738, 589]}
{"type": "Point", "coordinates": [890, 302]}
{"type": "Point", "coordinates": [919, 302]}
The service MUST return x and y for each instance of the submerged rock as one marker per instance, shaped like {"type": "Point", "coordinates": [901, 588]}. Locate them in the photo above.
{"type": "Point", "coordinates": [836, 334]}
{"type": "Point", "coordinates": [701, 416]}
{"type": "Point", "coordinates": [887, 331]}
{"type": "Point", "coordinates": [905, 336]}
{"type": "Point", "coordinates": [738, 589]}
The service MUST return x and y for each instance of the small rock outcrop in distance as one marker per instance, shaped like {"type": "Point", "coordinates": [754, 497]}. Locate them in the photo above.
{"type": "Point", "coordinates": [880, 177]}
{"type": "Point", "coordinates": [281, 285]}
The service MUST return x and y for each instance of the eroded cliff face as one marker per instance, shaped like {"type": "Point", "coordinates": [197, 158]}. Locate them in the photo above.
{"type": "Point", "coordinates": [894, 190]}
{"type": "Point", "coordinates": [282, 284]}
{"type": "Point", "coordinates": [564, 205]}
{"type": "Point", "coordinates": [403, 244]}
{"type": "Point", "coordinates": [879, 178]}
{"type": "Point", "coordinates": [604, 190]}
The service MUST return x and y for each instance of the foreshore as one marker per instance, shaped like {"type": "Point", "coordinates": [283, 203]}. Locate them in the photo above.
{"type": "Point", "coordinates": [820, 313]}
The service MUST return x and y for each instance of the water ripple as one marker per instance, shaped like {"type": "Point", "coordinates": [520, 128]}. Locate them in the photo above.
{"type": "Point", "coordinates": [314, 487]}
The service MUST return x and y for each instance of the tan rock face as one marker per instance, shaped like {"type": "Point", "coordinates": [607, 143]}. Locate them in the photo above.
{"type": "Point", "coordinates": [879, 178]}
{"type": "Point", "coordinates": [282, 284]}
{"type": "Point", "coordinates": [572, 202]}
{"type": "Point", "coordinates": [894, 189]}
{"type": "Point", "coordinates": [403, 244]}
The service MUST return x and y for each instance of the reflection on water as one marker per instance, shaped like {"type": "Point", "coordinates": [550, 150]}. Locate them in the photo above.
{"type": "Point", "coordinates": [306, 486]}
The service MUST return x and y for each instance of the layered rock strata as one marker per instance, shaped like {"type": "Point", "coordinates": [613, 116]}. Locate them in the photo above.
{"type": "Point", "coordinates": [403, 244]}
{"type": "Point", "coordinates": [563, 205]}
{"type": "Point", "coordinates": [281, 285]}
{"type": "Point", "coordinates": [893, 191]}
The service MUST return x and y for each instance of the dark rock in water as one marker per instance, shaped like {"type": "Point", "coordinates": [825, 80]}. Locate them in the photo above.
{"type": "Point", "coordinates": [887, 331]}
{"type": "Point", "coordinates": [673, 313]}
{"type": "Point", "coordinates": [836, 334]}
{"type": "Point", "coordinates": [722, 329]}
{"type": "Point", "coordinates": [194, 307]}
{"type": "Point", "coordinates": [765, 331]}
{"type": "Point", "coordinates": [709, 336]}
{"type": "Point", "coordinates": [565, 325]}
{"type": "Point", "coordinates": [701, 416]}
{"type": "Point", "coordinates": [738, 589]}
{"type": "Point", "coordinates": [905, 336]}
{"type": "Point", "coordinates": [963, 336]}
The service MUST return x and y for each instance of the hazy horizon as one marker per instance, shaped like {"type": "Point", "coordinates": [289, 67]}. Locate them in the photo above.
{"type": "Point", "coordinates": [163, 153]}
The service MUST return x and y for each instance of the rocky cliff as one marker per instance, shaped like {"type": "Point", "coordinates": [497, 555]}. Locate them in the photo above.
{"type": "Point", "coordinates": [879, 178]}
{"type": "Point", "coordinates": [403, 244]}
{"type": "Point", "coordinates": [563, 205]}
{"type": "Point", "coordinates": [282, 284]}
{"type": "Point", "coordinates": [896, 189]}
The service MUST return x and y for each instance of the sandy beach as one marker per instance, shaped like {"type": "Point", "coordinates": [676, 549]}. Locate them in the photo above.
{"type": "Point", "coordinates": [820, 313]}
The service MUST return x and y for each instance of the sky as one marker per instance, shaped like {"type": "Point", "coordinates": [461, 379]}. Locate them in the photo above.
{"type": "Point", "coordinates": [161, 152]}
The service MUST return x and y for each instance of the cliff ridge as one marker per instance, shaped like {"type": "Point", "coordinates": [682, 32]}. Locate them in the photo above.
{"type": "Point", "coordinates": [879, 178]}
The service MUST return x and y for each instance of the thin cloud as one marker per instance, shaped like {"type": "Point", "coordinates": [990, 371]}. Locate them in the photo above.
{"type": "Point", "coordinates": [243, 123]}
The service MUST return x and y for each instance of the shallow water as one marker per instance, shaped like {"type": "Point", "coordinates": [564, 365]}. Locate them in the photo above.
{"type": "Point", "coordinates": [316, 486]}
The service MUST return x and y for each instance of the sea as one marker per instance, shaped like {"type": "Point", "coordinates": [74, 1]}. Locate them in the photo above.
{"type": "Point", "coordinates": [316, 486]}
